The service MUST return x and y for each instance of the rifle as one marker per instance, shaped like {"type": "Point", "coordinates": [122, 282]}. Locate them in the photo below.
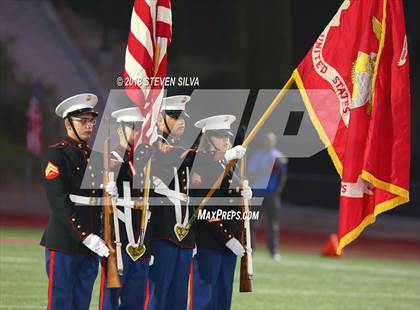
{"type": "Point", "coordinates": [113, 279]}
{"type": "Point", "coordinates": [118, 244]}
{"type": "Point", "coordinates": [246, 268]}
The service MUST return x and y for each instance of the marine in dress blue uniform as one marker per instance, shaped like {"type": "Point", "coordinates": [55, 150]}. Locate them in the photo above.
{"type": "Point", "coordinates": [71, 238]}
{"type": "Point", "coordinates": [171, 164]}
{"type": "Point", "coordinates": [129, 166]}
{"type": "Point", "coordinates": [216, 238]}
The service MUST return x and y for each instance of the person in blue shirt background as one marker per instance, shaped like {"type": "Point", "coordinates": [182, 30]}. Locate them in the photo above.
{"type": "Point", "coordinates": [267, 170]}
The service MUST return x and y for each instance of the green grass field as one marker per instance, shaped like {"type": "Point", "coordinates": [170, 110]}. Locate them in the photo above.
{"type": "Point", "coordinates": [298, 281]}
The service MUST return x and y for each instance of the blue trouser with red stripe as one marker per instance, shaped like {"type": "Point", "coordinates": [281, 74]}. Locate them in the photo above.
{"type": "Point", "coordinates": [71, 280]}
{"type": "Point", "coordinates": [169, 276]}
{"type": "Point", "coordinates": [132, 294]}
{"type": "Point", "coordinates": [212, 279]}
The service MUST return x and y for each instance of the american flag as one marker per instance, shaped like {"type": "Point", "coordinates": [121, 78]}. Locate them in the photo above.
{"type": "Point", "coordinates": [34, 124]}
{"type": "Point", "coordinates": [146, 59]}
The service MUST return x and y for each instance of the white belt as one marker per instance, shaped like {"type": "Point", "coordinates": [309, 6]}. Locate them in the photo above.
{"type": "Point", "coordinates": [98, 201]}
{"type": "Point", "coordinates": [85, 200]}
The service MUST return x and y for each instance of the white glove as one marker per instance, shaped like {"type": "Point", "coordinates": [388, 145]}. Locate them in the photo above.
{"type": "Point", "coordinates": [112, 190]}
{"type": "Point", "coordinates": [246, 192]}
{"type": "Point", "coordinates": [194, 252]}
{"type": "Point", "coordinates": [235, 153]}
{"type": "Point", "coordinates": [96, 244]}
{"type": "Point", "coordinates": [236, 247]}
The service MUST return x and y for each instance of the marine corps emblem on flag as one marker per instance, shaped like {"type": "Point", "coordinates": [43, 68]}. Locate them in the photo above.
{"type": "Point", "coordinates": [362, 75]}
{"type": "Point", "coordinates": [51, 171]}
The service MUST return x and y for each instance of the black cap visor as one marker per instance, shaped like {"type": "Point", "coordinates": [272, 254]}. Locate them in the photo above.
{"type": "Point", "coordinates": [82, 111]}
{"type": "Point", "coordinates": [176, 113]}
{"type": "Point", "coordinates": [219, 133]}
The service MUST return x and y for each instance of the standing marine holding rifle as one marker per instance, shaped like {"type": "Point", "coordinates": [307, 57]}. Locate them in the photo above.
{"type": "Point", "coordinates": [129, 164]}
{"type": "Point", "coordinates": [217, 238]}
{"type": "Point", "coordinates": [71, 239]}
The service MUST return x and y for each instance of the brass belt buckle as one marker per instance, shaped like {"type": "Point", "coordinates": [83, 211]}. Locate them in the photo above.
{"type": "Point", "coordinates": [92, 201]}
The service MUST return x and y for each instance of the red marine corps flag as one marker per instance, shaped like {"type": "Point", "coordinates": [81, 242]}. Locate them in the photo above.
{"type": "Point", "coordinates": [146, 59]}
{"type": "Point", "coordinates": [362, 57]}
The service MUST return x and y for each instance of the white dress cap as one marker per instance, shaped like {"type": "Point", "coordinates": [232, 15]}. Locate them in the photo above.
{"type": "Point", "coordinates": [129, 115]}
{"type": "Point", "coordinates": [175, 102]}
{"type": "Point", "coordinates": [218, 122]}
{"type": "Point", "coordinates": [82, 103]}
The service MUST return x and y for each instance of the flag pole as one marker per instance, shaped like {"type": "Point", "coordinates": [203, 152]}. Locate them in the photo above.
{"type": "Point", "coordinates": [246, 142]}
{"type": "Point", "coordinates": [146, 186]}
{"type": "Point", "coordinates": [268, 112]}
